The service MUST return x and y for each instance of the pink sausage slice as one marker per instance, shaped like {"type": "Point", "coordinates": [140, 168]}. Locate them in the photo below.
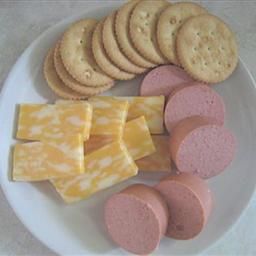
{"type": "Point", "coordinates": [196, 99]}
{"type": "Point", "coordinates": [201, 147]}
{"type": "Point", "coordinates": [163, 80]}
{"type": "Point", "coordinates": [190, 203]}
{"type": "Point", "coordinates": [137, 218]}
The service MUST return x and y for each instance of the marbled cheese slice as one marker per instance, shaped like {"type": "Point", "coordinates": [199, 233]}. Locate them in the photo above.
{"type": "Point", "coordinates": [159, 161]}
{"type": "Point", "coordinates": [45, 121]}
{"type": "Point", "coordinates": [104, 168]}
{"type": "Point", "coordinates": [136, 136]}
{"type": "Point", "coordinates": [152, 108]}
{"type": "Point", "coordinates": [37, 161]}
{"type": "Point", "coordinates": [109, 116]}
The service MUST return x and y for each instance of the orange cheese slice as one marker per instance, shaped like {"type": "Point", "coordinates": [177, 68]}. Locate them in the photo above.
{"type": "Point", "coordinates": [159, 161]}
{"type": "Point", "coordinates": [36, 161]}
{"type": "Point", "coordinates": [136, 136]}
{"type": "Point", "coordinates": [104, 168]}
{"type": "Point", "coordinates": [45, 121]}
{"type": "Point", "coordinates": [109, 116]}
{"type": "Point", "coordinates": [151, 107]}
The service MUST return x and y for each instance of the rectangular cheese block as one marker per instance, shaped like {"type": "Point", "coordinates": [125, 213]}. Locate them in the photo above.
{"type": "Point", "coordinates": [109, 116]}
{"type": "Point", "coordinates": [136, 136]}
{"type": "Point", "coordinates": [37, 161]}
{"type": "Point", "coordinates": [152, 108]}
{"type": "Point", "coordinates": [42, 121]}
{"type": "Point", "coordinates": [104, 168]}
{"type": "Point", "coordinates": [160, 161]}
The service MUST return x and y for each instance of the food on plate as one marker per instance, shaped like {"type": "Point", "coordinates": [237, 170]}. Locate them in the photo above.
{"type": "Point", "coordinates": [190, 203]}
{"type": "Point", "coordinates": [70, 82]}
{"type": "Point", "coordinates": [160, 160]}
{"type": "Point", "coordinates": [136, 137]}
{"type": "Point", "coordinates": [201, 147]}
{"type": "Point", "coordinates": [143, 25]}
{"type": "Point", "coordinates": [104, 168]}
{"type": "Point", "coordinates": [102, 58]}
{"type": "Point", "coordinates": [151, 108]}
{"type": "Point", "coordinates": [207, 48]}
{"type": "Point", "coordinates": [77, 56]}
{"type": "Point", "coordinates": [44, 160]}
{"type": "Point", "coordinates": [163, 80]}
{"type": "Point", "coordinates": [136, 218]}
{"type": "Point", "coordinates": [191, 100]}
{"type": "Point", "coordinates": [113, 50]}
{"type": "Point", "coordinates": [170, 20]}
{"type": "Point", "coordinates": [123, 36]}
{"type": "Point", "coordinates": [109, 116]}
{"type": "Point", "coordinates": [43, 121]}
{"type": "Point", "coordinates": [55, 83]}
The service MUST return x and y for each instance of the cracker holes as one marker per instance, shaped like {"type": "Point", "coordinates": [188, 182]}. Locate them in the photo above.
{"type": "Point", "coordinates": [173, 33]}
{"type": "Point", "coordinates": [180, 21]}
{"type": "Point", "coordinates": [209, 49]}
{"type": "Point", "coordinates": [198, 33]}
{"type": "Point", "coordinates": [229, 65]}
{"type": "Point", "coordinates": [212, 33]}
{"type": "Point", "coordinates": [81, 41]}
{"type": "Point", "coordinates": [82, 59]}
{"type": "Point", "coordinates": [195, 49]}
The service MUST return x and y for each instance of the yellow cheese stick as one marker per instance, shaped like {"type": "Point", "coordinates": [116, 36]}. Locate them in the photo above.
{"type": "Point", "coordinates": [36, 161]}
{"type": "Point", "coordinates": [136, 136]}
{"type": "Point", "coordinates": [109, 116]}
{"type": "Point", "coordinates": [159, 161]}
{"type": "Point", "coordinates": [44, 121]}
{"type": "Point", "coordinates": [152, 108]}
{"type": "Point", "coordinates": [104, 168]}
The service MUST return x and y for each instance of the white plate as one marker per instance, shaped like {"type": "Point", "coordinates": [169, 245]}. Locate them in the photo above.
{"type": "Point", "coordinates": [78, 228]}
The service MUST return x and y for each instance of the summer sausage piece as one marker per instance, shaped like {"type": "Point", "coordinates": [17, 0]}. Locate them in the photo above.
{"type": "Point", "coordinates": [137, 218]}
{"type": "Point", "coordinates": [163, 80]}
{"type": "Point", "coordinates": [190, 203]}
{"type": "Point", "coordinates": [196, 99]}
{"type": "Point", "coordinates": [201, 147]}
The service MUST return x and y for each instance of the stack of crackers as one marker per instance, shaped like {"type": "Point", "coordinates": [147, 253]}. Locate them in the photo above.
{"type": "Point", "coordinates": [140, 35]}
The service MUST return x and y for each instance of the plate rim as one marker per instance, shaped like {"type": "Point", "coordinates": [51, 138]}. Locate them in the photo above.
{"type": "Point", "coordinates": [68, 20]}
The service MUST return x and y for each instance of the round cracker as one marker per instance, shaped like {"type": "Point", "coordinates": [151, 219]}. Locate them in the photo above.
{"type": "Point", "coordinates": [77, 56]}
{"type": "Point", "coordinates": [170, 20]}
{"type": "Point", "coordinates": [207, 48]}
{"type": "Point", "coordinates": [54, 81]}
{"type": "Point", "coordinates": [123, 37]}
{"type": "Point", "coordinates": [113, 50]}
{"type": "Point", "coordinates": [69, 81]}
{"type": "Point", "coordinates": [102, 59]}
{"type": "Point", "coordinates": [143, 23]}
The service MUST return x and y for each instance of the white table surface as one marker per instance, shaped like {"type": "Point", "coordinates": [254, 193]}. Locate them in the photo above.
{"type": "Point", "coordinates": [22, 21]}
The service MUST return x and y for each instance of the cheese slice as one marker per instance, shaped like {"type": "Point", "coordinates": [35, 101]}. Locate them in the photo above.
{"type": "Point", "coordinates": [45, 121]}
{"type": "Point", "coordinates": [136, 136]}
{"type": "Point", "coordinates": [109, 116]}
{"type": "Point", "coordinates": [160, 161]}
{"type": "Point", "coordinates": [104, 168]}
{"type": "Point", "coordinates": [37, 161]}
{"type": "Point", "coordinates": [151, 107]}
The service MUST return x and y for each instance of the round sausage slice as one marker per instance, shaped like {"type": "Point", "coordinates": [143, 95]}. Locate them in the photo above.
{"type": "Point", "coordinates": [190, 203]}
{"type": "Point", "coordinates": [196, 99]}
{"type": "Point", "coordinates": [163, 80]}
{"type": "Point", "coordinates": [201, 147]}
{"type": "Point", "coordinates": [137, 218]}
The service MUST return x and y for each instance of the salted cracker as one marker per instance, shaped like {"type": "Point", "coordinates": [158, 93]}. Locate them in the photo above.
{"type": "Point", "coordinates": [113, 50]}
{"type": "Point", "coordinates": [207, 48]}
{"type": "Point", "coordinates": [170, 20]}
{"type": "Point", "coordinates": [77, 56]}
{"type": "Point", "coordinates": [143, 24]}
{"type": "Point", "coordinates": [123, 37]}
{"type": "Point", "coordinates": [103, 60]}
{"type": "Point", "coordinates": [69, 81]}
{"type": "Point", "coordinates": [55, 83]}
